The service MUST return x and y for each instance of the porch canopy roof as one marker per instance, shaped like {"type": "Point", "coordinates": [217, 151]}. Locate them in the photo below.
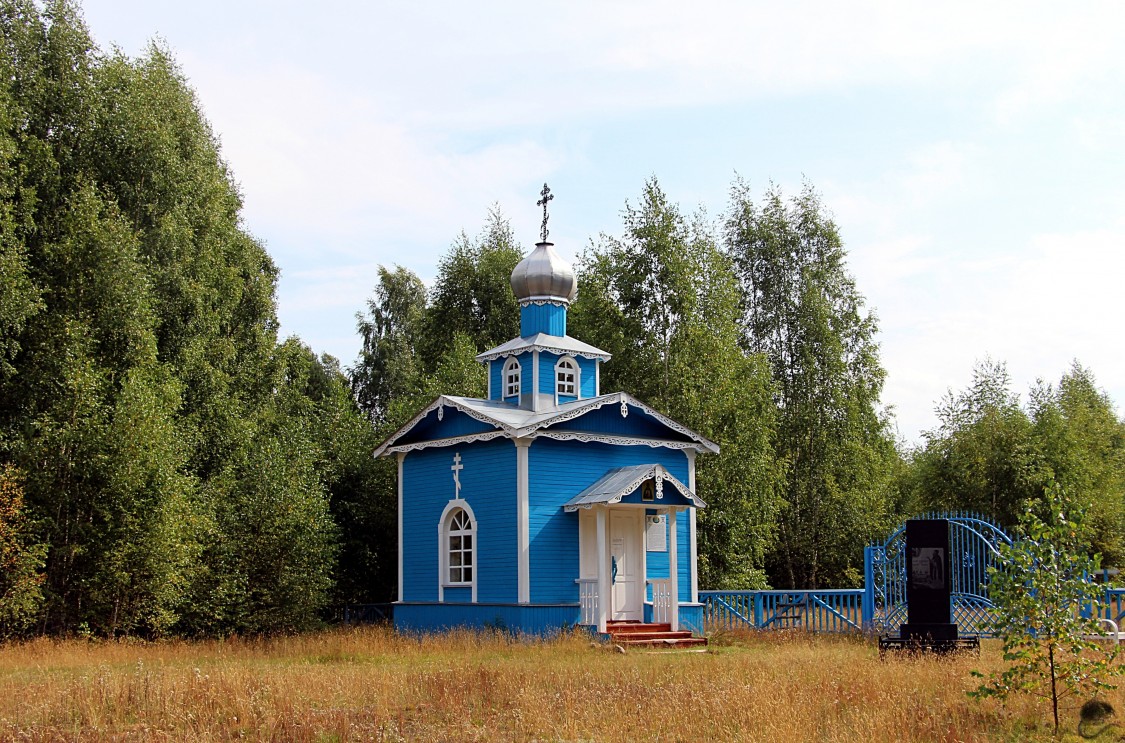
{"type": "Point", "coordinates": [622, 481]}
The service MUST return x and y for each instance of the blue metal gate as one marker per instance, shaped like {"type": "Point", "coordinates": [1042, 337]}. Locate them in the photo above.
{"type": "Point", "coordinates": [974, 547]}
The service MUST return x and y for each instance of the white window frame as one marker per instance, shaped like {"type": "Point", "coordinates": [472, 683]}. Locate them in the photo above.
{"type": "Point", "coordinates": [445, 533]}
{"type": "Point", "coordinates": [506, 384]}
{"type": "Point", "coordinates": [560, 365]}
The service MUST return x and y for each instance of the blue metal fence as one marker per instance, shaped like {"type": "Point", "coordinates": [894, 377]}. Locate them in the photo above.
{"type": "Point", "coordinates": [843, 610]}
{"type": "Point", "coordinates": [838, 610]}
{"type": "Point", "coordinates": [974, 543]}
{"type": "Point", "coordinates": [881, 606]}
{"type": "Point", "coordinates": [1112, 605]}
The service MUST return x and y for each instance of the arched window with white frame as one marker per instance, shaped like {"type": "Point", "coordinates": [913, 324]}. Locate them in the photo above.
{"type": "Point", "coordinates": [568, 381]}
{"type": "Point", "coordinates": [511, 378]}
{"type": "Point", "coordinates": [458, 548]}
{"type": "Point", "coordinates": [459, 541]}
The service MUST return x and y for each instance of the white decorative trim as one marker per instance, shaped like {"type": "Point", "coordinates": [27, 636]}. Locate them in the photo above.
{"type": "Point", "coordinates": [603, 568]}
{"type": "Point", "coordinates": [624, 410]}
{"type": "Point", "coordinates": [583, 436]}
{"type": "Point", "coordinates": [576, 370]}
{"type": "Point", "coordinates": [576, 412]}
{"type": "Point", "coordinates": [597, 378]}
{"type": "Point", "coordinates": [404, 429]}
{"type": "Point", "coordinates": [523, 523]}
{"type": "Point", "coordinates": [443, 550]}
{"type": "Point", "coordinates": [453, 441]}
{"type": "Point", "coordinates": [660, 473]}
{"type": "Point", "coordinates": [700, 443]}
{"type": "Point", "coordinates": [511, 364]}
{"type": "Point", "coordinates": [441, 412]}
{"type": "Point", "coordinates": [542, 300]}
{"type": "Point", "coordinates": [401, 456]}
{"type": "Point", "coordinates": [552, 349]}
{"type": "Point", "coordinates": [673, 568]}
{"type": "Point", "coordinates": [693, 545]}
{"type": "Point", "coordinates": [617, 440]}
{"type": "Point", "coordinates": [626, 398]}
{"type": "Point", "coordinates": [535, 381]}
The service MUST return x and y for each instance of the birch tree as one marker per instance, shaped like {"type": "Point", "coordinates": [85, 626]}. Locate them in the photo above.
{"type": "Point", "coordinates": [802, 311]}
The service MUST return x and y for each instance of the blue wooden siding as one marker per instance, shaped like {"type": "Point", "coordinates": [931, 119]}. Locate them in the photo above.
{"type": "Point", "coordinates": [559, 470]}
{"type": "Point", "coordinates": [496, 378]}
{"type": "Point", "coordinates": [671, 497]}
{"type": "Point", "coordinates": [527, 375]}
{"type": "Point", "coordinates": [589, 380]}
{"type": "Point", "coordinates": [453, 423]}
{"type": "Point", "coordinates": [488, 484]}
{"type": "Point", "coordinates": [542, 318]}
{"type": "Point", "coordinates": [656, 563]}
{"type": "Point", "coordinates": [683, 555]}
{"type": "Point", "coordinates": [524, 618]}
{"type": "Point", "coordinates": [547, 361]}
{"type": "Point", "coordinates": [458, 595]}
{"type": "Point", "coordinates": [547, 379]}
{"type": "Point", "coordinates": [607, 419]}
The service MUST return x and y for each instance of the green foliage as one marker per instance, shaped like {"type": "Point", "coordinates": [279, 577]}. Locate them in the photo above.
{"type": "Point", "coordinates": [390, 366]}
{"type": "Point", "coordinates": [803, 313]}
{"type": "Point", "coordinates": [21, 559]}
{"type": "Point", "coordinates": [981, 457]}
{"type": "Point", "coordinates": [1044, 591]}
{"type": "Point", "coordinates": [417, 346]}
{"type": "Point", "coordinates": [180, 467]}
{"type": "Point", "coordinates": [1081, 445]}
{"type": "Point", "coordinates": [992, 455]}
{"type": "Point", "coordinates": [664, 301]}
{"type": "Point", "coordinates": [472, 294]}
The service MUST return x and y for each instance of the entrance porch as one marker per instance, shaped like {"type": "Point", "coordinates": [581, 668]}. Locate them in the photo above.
{"type": "Point", "coordinates": [627, 516]}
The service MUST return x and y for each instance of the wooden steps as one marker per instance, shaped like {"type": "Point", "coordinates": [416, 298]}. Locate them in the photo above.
{"type": "Point", "coordinates": [651, 635]}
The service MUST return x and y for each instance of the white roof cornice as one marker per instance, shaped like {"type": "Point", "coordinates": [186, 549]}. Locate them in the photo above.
{"type": "Point", "coordinates": [515, 422]}
{"type": "Point", "coordinates": [563, 345]}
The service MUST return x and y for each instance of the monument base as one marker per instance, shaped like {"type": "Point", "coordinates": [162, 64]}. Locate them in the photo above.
{"type": "Point", "coordinates": [928, 631]}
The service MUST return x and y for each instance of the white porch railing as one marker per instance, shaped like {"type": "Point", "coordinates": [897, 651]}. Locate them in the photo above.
{"type": "Point", "coordinates": [663, 602]}
{"type": "Point", "coordinates": [588, 600]}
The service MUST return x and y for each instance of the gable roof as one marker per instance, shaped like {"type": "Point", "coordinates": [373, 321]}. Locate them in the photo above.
{"type": "Point", "coordinates": [510, 421]}
{"type": "Point", "coordinates": [563, 345]}
{"type": "Point", "coordinates": [621, 481]}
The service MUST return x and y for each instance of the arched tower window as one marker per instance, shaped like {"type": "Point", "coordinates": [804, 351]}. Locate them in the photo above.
{"type": "Point", "coordinates": [460, 549]}
{"type": "Point", "coordinates": [511, 378]}
{"type": "Point", "coordinates": [567, 380]}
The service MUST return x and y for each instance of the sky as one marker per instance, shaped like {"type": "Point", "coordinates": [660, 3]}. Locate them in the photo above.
{"type": "Point", "coordinates": [972, 154]}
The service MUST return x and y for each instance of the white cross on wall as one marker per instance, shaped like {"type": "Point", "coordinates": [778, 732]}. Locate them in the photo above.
{"type": "Point", "coordinates": [457, 467]}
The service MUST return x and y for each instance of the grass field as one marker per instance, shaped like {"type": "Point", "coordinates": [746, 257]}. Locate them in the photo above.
{"type": "Point", "coordinates": [370, 684]}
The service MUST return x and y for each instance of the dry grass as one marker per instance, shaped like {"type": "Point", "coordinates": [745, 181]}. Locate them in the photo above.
{"type": "Point", "coordinates": [371, 684]}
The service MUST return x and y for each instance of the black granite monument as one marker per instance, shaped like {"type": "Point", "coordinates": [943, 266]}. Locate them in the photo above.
{"type": "Point", "coordinates": [928, 583]}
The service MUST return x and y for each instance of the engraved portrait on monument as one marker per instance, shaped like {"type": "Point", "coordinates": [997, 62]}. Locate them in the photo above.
{"type": "Point", "coordinates": [927, 567]}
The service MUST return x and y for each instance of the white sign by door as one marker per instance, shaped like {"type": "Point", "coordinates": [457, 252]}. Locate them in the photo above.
{"type": "Point", "coordinates": [657, 536]}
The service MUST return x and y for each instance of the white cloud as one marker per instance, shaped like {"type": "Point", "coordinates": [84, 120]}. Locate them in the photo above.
{"type": "Point", "coordinates": [373, 133]}
{"type": "Point", "coordinates": [317, 159]}
{"type": "Point", "coordinates": [1055, 300]}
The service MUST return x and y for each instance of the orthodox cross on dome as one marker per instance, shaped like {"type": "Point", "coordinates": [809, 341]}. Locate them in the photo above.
{"type": "Point", "coordinates": [457, 467]}
{"type": "Point", "coordinates": [547, 196]}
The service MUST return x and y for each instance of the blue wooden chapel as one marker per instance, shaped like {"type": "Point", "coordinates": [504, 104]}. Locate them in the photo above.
{"type": "Point", "coordinates": [548, 504]}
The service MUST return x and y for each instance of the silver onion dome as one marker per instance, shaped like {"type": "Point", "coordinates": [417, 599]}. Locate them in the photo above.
{"type": "Point", "coordinates": [544, 277]}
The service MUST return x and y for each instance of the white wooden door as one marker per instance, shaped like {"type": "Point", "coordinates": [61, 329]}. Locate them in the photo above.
{"type": "Point", "coordinates": [625, 553]}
